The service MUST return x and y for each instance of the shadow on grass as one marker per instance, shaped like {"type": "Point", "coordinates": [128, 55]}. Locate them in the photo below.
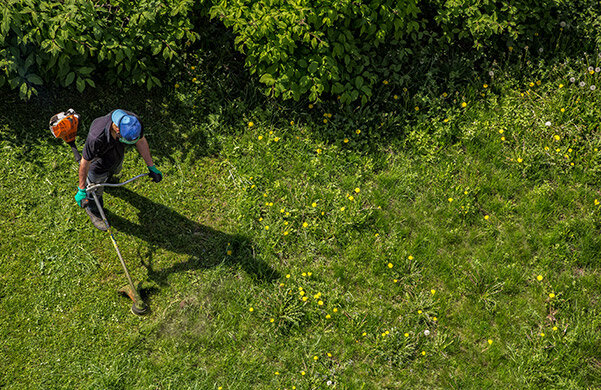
{"type": "Point", "coordinates": [163, 228]}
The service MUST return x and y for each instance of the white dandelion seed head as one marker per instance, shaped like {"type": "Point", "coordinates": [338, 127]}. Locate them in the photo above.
{"type": "Point", "coordinates": [572, 79]}
{"type": "Point", "coordinates": [426, 332]}
{"type": "Point", "coordinates": [548, 123]}
{"type": "Point", "coordinates": [582, 83]}
{"type": "Point", "coordinates": [562, 24]}
{"type": "Point", "coordinates": [540, 50]}
{"type": "Point", "coordinates": [329, 383]}
{"type": "Point", "coordinates": [597, 69]}
{"type": "Point", "coordinates": [593, 87]}
{"type": "Point", "coordinates": [491, 73]}
{"type": "Point", "coordinates": [590, 68]}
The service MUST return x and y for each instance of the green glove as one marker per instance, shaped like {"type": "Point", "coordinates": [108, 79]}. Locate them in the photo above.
{"type": "Point", "coordinates": [155, 174]}
{"type": "Point", "coordinates": [81, 195]}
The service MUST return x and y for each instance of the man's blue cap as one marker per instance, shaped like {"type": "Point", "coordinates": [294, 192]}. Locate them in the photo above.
{"type": "Point", "coordinates": [129, 126]}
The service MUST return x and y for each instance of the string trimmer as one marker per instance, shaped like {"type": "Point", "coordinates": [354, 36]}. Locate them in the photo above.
{"type": "Point", "coordinates": [64, 126]}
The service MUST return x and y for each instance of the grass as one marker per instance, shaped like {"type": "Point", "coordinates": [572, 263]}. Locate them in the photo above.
{"type": "Point", "coordinates": [283, 250]}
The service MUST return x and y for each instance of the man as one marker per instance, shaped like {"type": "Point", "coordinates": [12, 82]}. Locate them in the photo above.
{"type": "Point", "coordinates": [103, 154]}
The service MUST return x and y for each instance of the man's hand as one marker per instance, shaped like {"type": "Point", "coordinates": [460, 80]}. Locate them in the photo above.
{"type": "Point", "coordinates": [155, 174]}
{"type": "Point", "coordinates": [80, 195]}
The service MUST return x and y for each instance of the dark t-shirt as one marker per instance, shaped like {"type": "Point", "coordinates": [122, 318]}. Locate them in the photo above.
{"type": "Point", "coordinates": [101, 148]}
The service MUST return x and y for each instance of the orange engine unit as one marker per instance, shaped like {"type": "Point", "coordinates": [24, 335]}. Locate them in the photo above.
{"type": "Point", "coordinates": [64, 125]}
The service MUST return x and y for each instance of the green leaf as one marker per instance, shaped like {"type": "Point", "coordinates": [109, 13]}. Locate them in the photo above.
{"type": "Point", "coordinates": [23, 90]}
{"type": "Point", "coordinates": [91, 83]}
{"type": "Point", "coordinates": [69, 79]}
{"type": "Point", "coordinates": [34, 79]}
{"type": "Point", "coordinates": [81, 85]}
{"type": "Point", "coordinates": [267, 79]}
{"type": "Point", "coordinates": [85, 71]}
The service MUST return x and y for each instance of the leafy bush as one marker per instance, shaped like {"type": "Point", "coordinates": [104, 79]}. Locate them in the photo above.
{"type": "Point", "coordinates": [346, 48]}
{"type": "Point", "coordinates": [71, 41]}
{"type": "Point", "coordinates": [330, 46]}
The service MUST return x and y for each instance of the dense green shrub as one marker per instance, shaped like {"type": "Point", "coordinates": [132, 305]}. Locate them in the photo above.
{"type": "Point", "coordinates": [299, 47]}
{"type": "Point", "coordinates": [346, 48]}
{"type": "Point", "coordinates": [74, 40]}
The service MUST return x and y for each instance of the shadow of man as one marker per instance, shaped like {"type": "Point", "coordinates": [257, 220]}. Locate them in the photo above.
{"type": "Point", "coordinates": [162, 227]}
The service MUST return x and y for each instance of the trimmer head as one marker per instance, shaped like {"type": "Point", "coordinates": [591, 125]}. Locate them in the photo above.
{"type": "Point", "coordinates": [138, 306]}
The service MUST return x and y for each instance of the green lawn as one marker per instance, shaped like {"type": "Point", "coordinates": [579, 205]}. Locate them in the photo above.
{"type": "Point", "coordinates": [448, 246]}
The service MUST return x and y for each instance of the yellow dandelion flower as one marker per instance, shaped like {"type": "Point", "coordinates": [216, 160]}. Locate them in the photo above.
{"type": "Point", "coordinates": [192, 67]}
{"type": "Point", "coordinates": [315, 357]}
{"type": "Point", "coordinates": [555, 328]}
{"type": "Point", "coordinates": [328, 316]}
{"type": "Point", "coordinates": [406, 335]}
{"type": "Point", "coordinates": [395, 97]}
{"type": "Point", "coordinates": [251, 309]}
{"type": "Point", "coordinates": [309, 274]}
{"type": "Point", "coordinates": [489, 342]}
{"type": "Point", "coordinates": [419, 312]}
{"type": "Point", "coordinates": [286, 232]}
{"type": "Point", "coordinates": [325, 121]}
{"type": "Point", "coordinates": [364, 334]}
{"type": "Point", "coordinates": [501, 131]}
{"type": "Point", "coordinates": [551, 295]}
{"type": "Point", "coordinates": [531, 84]}
{"type": "Point", "coordinates": [539, 277]}
{"type": "Point", "coordinates": [450, 200]}
{"type": "Point", "coordinates": [251, 124]}
{"type": "Point", "coordinates": [357, 190]}
{"type": "Point", "coordinates": [351, 198]}
{"type": "Point", "coordinates": [260, 137]}
{"type": "Point", "coordinates": [538, 82]}
{"type": "Point", "coordinates": [520, 160]}
{"type": "Point", "coordinates": [486, 217]}
{"type": "Point", "coordinates": [385, 82]}
{"type": "Point", "coordinates": [310, 106]}
{"type": "Point", "coordinates": [320, 303]}
{"type": "Point", "coordinates": [463, 104]}
{"type": "Point", "coordinates": [335, 310]}
{"type": "Point", "coordinates": [342, 208]}
{"type": "Point", "coordinates": [313, 204]}
{"type": "Point", "coordinates": [416, 108]}
{"type": "Point", "coordinates": [563, 110]}
{"type": "Point", "coordinates": [596, 202]}
{"type": "Point", "coordinates": [358, 131]}
{"type": "Point", "coordinates": [291, 123]}
{"type": "Point", "coordinates": [394, 280]}
{"type": "Point", "coordinates": [560, 86]}
{"type": "Point", "coordinates": [410, 257]}
{"type": "Point", "coordinates": [303, 373]}
{"type": "Point", "coordinates": [176, 85]}
{"type": "Point", "coordinates": [485, 86]}
{"type": "Point", "coordinates": [346, 140]}
{"type": "Point", "coordinates": [556, 137]}
{"type": "Point", "coordinates": [229, 253]}
{"type": "Point", "coordinates": [423, 353]}
{"type": "Point", "coordinates": [542, 335]}
{"type": "Point", "coordinates": [433, 291]}
{"type": "Point", "coordinates": [305, 224]}
{"type": "Point", "coordinates": [390, 265]}
{"type": "Point", "coordinates": [305, 299]}
{"type": "Point", "coordinates": [434, 319]}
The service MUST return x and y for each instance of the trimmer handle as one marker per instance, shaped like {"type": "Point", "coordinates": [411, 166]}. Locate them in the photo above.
{"type": "Point", "coordinates": [76, 154]}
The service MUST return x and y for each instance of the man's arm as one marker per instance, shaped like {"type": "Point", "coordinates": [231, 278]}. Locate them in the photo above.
{"type": "Point", "coordinates": [142, 146]}
{"type": "Point", "coordinates": [144, 150]}
{"type": "Point", "coordinates": [84, 167]}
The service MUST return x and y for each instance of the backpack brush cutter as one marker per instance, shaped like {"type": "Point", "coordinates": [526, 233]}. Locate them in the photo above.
{"type": "Point", "coordinates": [64, 126]}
